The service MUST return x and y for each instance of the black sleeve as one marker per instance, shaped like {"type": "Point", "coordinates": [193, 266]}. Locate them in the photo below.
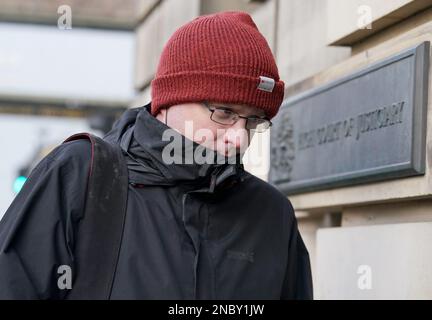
{"type": "Point", "coordinates": [298, 277]}
{"type": "Point", "coordinates": [37, 231]}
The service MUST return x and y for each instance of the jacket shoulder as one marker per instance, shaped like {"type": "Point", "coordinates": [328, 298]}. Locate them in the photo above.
{"type": "Point", "coordinates": [76, 153]}
{"type": "Point", "coordinates": [78, 150]}
{"type": "Point", "coordinates": [50, 203]}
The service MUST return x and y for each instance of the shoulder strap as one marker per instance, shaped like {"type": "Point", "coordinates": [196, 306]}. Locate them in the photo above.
{"type": "Point", "coordinates": [100, 230]}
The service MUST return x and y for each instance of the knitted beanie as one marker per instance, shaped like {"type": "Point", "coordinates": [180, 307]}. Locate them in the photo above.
{"type": "Point", "coordinates": [221, 58]}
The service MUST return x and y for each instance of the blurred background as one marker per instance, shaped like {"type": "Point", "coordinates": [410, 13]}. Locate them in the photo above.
{"type": "Point", "coordinates": [69, 66]}
{"type": "Point", "coordinates": [75, 66]}
{"type": "Point", "coordinates": [63, 70]}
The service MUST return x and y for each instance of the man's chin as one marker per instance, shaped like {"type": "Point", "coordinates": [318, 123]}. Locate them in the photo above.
{"type": "Point", "coordinates": [226, 153]}
{"type": "Point", "coordinates": [229, 156]}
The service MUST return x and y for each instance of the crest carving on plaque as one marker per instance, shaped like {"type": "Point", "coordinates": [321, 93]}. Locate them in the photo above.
{"type": "Point", "coordinates": [282, 148]}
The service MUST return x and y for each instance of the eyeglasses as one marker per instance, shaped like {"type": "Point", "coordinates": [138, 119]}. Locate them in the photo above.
{"type": "Point", "coordinates": [223, 115]}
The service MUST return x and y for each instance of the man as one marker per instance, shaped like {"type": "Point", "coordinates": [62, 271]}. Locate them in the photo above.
{"type": "Point", "coordinates": [197, 226]}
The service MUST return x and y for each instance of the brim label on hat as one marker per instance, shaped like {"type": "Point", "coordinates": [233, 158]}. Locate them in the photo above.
{"type": "Point", "coordinates": [266, 84]}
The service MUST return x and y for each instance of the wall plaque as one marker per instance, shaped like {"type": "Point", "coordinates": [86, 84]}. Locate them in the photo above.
{"type": "Point", "coordinates": [367, 126]}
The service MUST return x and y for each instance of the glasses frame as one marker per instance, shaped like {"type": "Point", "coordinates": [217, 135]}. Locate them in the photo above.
{"type": "Point", "coordinates": [213, 108]}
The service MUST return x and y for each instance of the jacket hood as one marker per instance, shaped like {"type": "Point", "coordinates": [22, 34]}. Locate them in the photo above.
{"type": "Point", "coordinates": [141, 137]}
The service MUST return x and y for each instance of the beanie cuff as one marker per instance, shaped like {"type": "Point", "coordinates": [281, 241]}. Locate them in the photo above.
{"type": "Point", "coordinates": [216, 87]}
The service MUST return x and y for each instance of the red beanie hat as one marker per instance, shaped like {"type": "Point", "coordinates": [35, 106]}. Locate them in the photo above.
{"type": "Point", "coordinates": [222, 58]}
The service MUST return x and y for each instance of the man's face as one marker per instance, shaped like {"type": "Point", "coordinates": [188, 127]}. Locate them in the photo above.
{"type": "Point", "coordinates": [193, 121]}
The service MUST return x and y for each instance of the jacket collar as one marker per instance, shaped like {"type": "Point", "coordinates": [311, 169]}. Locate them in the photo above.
{"type": "Point", "coordinates": [143, 143]}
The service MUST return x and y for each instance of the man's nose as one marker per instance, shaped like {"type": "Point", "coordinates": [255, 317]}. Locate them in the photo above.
{"type": "Point", "coordinates": [237, 135]}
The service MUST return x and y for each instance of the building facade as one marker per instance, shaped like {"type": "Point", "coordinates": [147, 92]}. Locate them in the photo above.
{"type": "Point", "coordinates": [351, 145]}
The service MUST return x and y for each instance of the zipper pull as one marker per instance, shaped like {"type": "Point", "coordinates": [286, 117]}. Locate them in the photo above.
{"type": "Point", "coordinates": [137, 185]}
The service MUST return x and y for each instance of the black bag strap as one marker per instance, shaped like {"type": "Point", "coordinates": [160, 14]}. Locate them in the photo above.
{"type": "Point", "coordinates": [100, 230]}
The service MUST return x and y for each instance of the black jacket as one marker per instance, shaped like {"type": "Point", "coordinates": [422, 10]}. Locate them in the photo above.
{"type": "Point", "coordinates": [191, 231]}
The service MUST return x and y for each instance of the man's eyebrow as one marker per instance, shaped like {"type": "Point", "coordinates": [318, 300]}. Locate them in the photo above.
{"type": "Point", "coordinates": [256, 115]}
{"type": "Point", "coordinates": [232, 108]}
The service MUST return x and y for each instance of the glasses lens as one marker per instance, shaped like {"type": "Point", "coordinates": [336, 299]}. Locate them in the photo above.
{"type": "Point", "coordinates": [223, 116]}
